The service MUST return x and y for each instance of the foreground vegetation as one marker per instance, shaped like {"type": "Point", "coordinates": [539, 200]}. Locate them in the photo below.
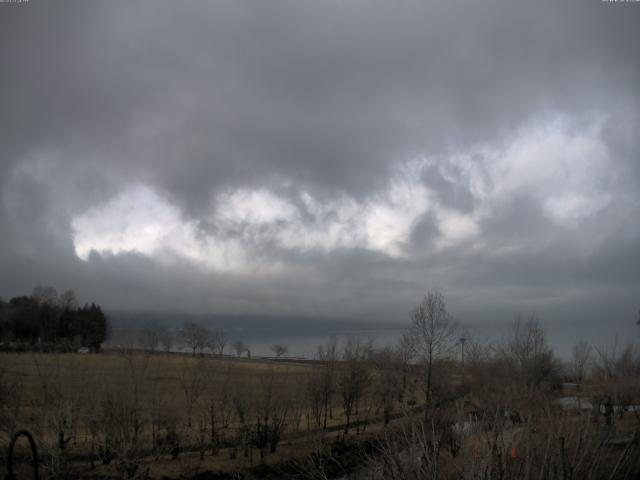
{"type": "Point", "coordinates": [439, 405]}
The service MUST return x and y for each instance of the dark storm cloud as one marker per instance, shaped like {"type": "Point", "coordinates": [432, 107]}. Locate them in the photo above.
{"type": "Point", "coordinates": [194, 99]}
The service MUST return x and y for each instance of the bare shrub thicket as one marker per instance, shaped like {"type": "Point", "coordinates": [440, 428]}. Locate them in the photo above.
{"type": "Point", "coordinates": [122, 415]}
{"type": "Point", "coordinates": [506, 422]}
{"type": "Point", "coordinates": [62, 392]}
{"type": "Point", "coordinates": [544, 445]}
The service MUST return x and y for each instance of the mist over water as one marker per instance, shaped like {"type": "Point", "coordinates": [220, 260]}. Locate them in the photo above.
{"type": "Point", "coordinates": [560, 336]}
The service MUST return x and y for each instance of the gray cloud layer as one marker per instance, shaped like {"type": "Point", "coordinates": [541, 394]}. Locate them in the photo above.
{"type": "Point", "coordinates": [520, 122]}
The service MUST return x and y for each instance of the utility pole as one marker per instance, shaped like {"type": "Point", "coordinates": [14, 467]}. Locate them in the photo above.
{"type": "Point", "coordinates": [462, 341]}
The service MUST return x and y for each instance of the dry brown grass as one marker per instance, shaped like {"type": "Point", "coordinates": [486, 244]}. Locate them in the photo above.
{"type": "Point", "coordinates": [56, 388]}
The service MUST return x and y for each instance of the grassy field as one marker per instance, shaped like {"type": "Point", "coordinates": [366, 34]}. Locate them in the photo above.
{"type": "Point", "coordinates": [204, 411]}
{"type": "Point", "coordinates": [138, 415]}
{"type": "Point", "coordinates": [78, 374]}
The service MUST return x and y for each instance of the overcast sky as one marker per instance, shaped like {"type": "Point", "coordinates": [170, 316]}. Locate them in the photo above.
{"type": "Point", "coordinates": [324, 158]}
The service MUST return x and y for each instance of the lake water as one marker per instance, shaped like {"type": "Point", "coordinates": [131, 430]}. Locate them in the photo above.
{"type": "Point", "coordinates": [560, 336]}
{"type": "Point", "coordinates": [300, 343]}
{"type": "Point", "coordinates": [306, 346]}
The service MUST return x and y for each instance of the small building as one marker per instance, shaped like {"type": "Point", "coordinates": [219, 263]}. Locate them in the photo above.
{"type": "Point", "coordinates": [575, 403]}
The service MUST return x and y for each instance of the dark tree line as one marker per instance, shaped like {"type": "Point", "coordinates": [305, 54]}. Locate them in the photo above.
{"type": "Point", "coordinates": [46, 318]}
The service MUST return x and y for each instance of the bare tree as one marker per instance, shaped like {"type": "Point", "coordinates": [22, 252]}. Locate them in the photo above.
{"type": "Point", "coordinates": [298, 399]}
{"type": "Point", "coordinates": [194, 337]}
{"type": "Point", "coordinates": [279, 350]}
{"type": "Point", "coordinates": [62, 391]}
{"type": "Point", "coordinates": [432, 334]}
{"type": "Point", "coordinates": [239, 347]}
{"type": "Point", "coordinates": [217, 342]}
{"type": "Point", "coordinates": [49, 305]}
{"type": "Point", "coordinates": [326, 386]}
{"type": "Point", "coordinates": [271, 412]}
{"type": "Point", "coordinates": [316, 398]}
{"type": "Point", "coordinates": [354, 377]}
{"type": "Point", "coordinates": [219, 404]}
{"type": "Point", "coordinates": [482, 370]}
{"type": "Point", "coordinates": [527, 353]}
{"type": "Point", "coordinates": [580, 357]}
{"type": "Point", "coordinates": [388, 383]}
{"type": "Point", "coordinates": [404, 354]}
{"type": "Point", "coordinates": [156, 404]}
{"type": "Point", "coordinates": [605, 359]}
{"type": "Point", "coordinates": [120, 417]}
{"type": "Point", "coordinates": [193, 384]}
{"type": "Point", "coordinates": [166, 340]}
{"type": "Point", "coordinates": [138, 372]}
{"type": "Point", "coordinates": [149, 336]}
{"type": "Point", "coordinates": [45, 295]}
{"type": "Point", "coordinates": [628, 363]}
{"type": "Point", "coordinates": [68, 300]}
{"type": "Point", "coordinates": [244, 406]}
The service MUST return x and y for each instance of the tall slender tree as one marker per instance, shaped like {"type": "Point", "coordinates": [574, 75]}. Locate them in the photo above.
{"type": "Point", "coordinates": [432, 335]}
